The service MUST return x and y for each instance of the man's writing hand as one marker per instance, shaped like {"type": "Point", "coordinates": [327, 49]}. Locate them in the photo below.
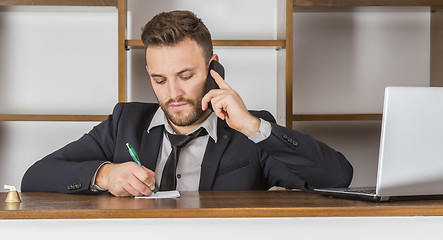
{"type": "Point", "coordinates": [126, 179]}
{"type": "Point", "coordinates": [229, 106]}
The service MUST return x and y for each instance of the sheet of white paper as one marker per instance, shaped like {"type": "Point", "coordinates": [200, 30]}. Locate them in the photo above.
{"type": "Point", "coordinates": [163, 194]}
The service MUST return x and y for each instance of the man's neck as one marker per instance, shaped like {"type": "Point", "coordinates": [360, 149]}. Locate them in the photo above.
{"type": "Point", "coordinates": [183, 130]}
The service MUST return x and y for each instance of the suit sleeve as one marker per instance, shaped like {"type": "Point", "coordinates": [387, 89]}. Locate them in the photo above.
{"type": "Point", "coordinates": [71, 168]}
{"type": "Point", "coordinates": [291, 159]}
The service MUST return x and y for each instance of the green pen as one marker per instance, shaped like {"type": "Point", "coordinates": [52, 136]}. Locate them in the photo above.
{"type": "Point", "coordinates": [137, 160]}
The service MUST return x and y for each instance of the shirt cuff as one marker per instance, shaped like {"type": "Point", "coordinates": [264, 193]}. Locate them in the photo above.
{"type": "Point", "coordinates": [94, 187]}
{"type": "Point", "coordinates": [264, 132]}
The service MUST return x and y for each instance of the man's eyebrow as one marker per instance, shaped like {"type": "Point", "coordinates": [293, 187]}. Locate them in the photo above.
{"type": "Point", "coordinates": [156, 75]}
{"type": "Point", "coordinates": [185, 70]}
{"type": "Point", "coordinates": [182, 71]}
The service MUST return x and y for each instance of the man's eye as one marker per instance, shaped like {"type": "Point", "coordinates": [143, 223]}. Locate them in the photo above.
{"type": "Point", "coordinates": [187, 77]}
{"type": "Point", "coordinates": [160, 82]}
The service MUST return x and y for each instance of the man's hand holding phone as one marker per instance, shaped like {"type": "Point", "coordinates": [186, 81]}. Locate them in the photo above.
{"type": "Point", "coordinates": [228, 105]}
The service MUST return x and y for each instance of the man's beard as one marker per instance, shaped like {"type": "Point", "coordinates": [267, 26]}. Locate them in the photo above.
{"type": "Point", "coordinates": [177, 118]}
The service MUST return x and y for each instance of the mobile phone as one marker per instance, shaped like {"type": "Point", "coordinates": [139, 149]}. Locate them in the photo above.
{"type": "Point", "coordinates": [210, 82]}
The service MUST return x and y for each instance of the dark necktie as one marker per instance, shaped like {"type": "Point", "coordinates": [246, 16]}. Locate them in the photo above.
{"type": "Point", "coordinates": [169, 181]}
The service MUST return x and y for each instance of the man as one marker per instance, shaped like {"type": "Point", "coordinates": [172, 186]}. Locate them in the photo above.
{"type": "Point", "coordinates": [234, 149]}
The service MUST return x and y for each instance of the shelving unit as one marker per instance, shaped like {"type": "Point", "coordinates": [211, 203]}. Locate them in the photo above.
{"type": "Point", "coordinates": [436, 7]}
{"type": "Point", "coordinates": [124, 45]}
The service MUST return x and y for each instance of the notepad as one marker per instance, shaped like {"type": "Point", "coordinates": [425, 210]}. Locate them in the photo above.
{"type": "Point", "coordinates": [162, 194]}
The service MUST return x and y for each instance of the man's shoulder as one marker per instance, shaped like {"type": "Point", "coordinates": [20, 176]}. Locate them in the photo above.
{"type": "Point", "coordinates": [134, 111]}
{"type": "Point", "coordinates": [263, 114]}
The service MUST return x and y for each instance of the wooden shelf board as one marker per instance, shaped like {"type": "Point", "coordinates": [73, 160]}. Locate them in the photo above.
{"type": "Point", "coordinates": [105, 3]}
{"type": "Point", "coordinates": [48, 117]}
{"type": "Point", "coordinates": [336, 117]}
{"type": "Point", "coordinates": [362, 3]}
{"type": "Point", "coordinates": [234, 43]}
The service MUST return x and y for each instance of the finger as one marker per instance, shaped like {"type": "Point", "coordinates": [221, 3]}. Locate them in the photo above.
{"type": "Point", "coordinates": [220, 113]}
{"type": "Point", "coordinates": [204, 104]}
{"type": "Point", "coordinates": [219, 106]}
{"type": "Point", "coordinates": [132, 191]}
{"type": "Point", "coordinates": [132, 187]}
{"type": "Point", "coordinates": [147, 176]}
{"type": "Point", "coordinates": [219, 80]}
{"type": "Point", "coordinates": [153, 177]}
{"type": "Point", "coordinates": [140, 188]}
{"type": "Point", "coordinates": [150, 172]}
{"type": "Point", "coordinates": [119, 192]}
{"type": "Point", "coordinates": [144, 184]}
{"type": "Point", "coordinates": [208, 97]}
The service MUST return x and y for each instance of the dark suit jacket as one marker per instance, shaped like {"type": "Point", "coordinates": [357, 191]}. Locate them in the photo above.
{"type": "Point", "coordinates": [286, 158]}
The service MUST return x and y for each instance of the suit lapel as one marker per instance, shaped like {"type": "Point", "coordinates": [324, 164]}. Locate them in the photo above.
{"type": "Point", "coordinates": [150, 147]}
{"type": "Point", "coordinates": [213, 154]}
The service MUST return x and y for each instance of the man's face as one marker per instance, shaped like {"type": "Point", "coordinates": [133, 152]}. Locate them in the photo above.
{"type": "Point", "coordinates": [178, 76]}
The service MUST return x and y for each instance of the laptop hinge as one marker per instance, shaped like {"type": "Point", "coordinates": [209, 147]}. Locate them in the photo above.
{"type": "Point", "coordinates": [384, 198]}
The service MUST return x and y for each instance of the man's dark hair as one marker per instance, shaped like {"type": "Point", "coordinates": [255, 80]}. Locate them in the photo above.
{"type": "Point", "coordinates": [170, 28]}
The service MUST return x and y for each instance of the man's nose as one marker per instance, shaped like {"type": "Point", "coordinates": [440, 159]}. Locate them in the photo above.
{"type": "Point", "coordinates": [175, 89]}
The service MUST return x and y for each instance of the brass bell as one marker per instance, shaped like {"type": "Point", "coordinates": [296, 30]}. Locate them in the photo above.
{"type": "Point", "coordinates": [13, 196]}
{"type": "Point", "coordinates": [12, 206]}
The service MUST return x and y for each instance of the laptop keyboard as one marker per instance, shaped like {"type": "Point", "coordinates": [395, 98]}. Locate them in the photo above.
{"type": "Point", "coordinates": [364, 191]}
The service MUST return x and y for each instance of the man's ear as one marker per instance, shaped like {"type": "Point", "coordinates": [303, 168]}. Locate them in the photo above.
{"type": "Point", "coordinates": [214, 57]}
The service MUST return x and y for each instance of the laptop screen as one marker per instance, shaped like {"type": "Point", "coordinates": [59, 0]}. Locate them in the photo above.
{"type": "Point", "coordinates": [411, 146]}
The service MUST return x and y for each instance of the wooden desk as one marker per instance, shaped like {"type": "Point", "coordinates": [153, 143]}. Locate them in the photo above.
{"type": "Point", "coordinates": [223, 204]}
{"type": "Point", "coordinates": [217, 215]}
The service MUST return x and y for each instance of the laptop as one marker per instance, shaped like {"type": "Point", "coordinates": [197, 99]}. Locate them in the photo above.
{"type": "Point", "coordinates": [410, 165]}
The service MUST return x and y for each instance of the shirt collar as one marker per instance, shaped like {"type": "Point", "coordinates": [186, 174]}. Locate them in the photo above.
{"type": "Point", "coordinates": [210, 123]}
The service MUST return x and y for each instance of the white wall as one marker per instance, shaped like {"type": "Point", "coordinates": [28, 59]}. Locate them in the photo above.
{"type": "Point", "coordinates": [63, 60]}
{"type": "Point", "coordinates": [58, 60]}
